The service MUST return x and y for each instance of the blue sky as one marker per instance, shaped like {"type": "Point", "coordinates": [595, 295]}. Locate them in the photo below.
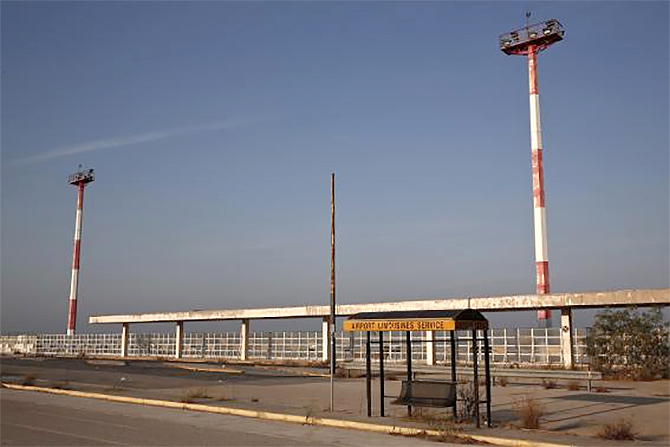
{"type": "Point", "coordinates": [213, 128]}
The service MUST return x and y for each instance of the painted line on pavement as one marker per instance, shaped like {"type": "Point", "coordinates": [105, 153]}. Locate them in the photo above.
{"type": "Point", "coordinates": [206, 369]}
{"type": "Point", "coordinates": [293, 372]}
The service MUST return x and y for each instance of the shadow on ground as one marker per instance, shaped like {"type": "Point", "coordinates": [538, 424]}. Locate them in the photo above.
{"type": "Point", "coordinates": [609, 399]}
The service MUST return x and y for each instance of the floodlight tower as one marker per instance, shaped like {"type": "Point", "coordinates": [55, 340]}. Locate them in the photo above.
{"type": "Point", "coordinates": [529, 41]}
{"type": "Point", "coordinates": [80, 179]}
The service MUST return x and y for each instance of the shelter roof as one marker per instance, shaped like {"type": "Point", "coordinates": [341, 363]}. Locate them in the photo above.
{"type": "Point", "coordinates": [461, 314]}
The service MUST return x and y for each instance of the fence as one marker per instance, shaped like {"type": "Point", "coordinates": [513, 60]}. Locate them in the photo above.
{"type": "Point", "coordinates": [522, 346]}
{"type": "Point", "coordinates": [539, 346]}
{"type": "Point", "coordinates": [90, 344]}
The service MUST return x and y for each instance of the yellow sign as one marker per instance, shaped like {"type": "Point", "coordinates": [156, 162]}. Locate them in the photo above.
{"type": "Point", "coordinates": [399, 325]}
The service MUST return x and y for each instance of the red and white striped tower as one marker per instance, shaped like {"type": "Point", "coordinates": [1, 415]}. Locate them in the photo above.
{"type": "Point", "coordinates": [539, 214]}
{"type": "Point", "coordinates": [79, 179]}
{"type": "Point", "coordinates": [530, 41]}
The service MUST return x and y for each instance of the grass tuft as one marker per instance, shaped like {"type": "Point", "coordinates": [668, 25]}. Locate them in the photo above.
{"type": "Point", "coordinates": [61, 385]}
{"type": "Point", "coordinates": [530, 411]}
{"type": "Point", "coordinates": [621, 430]}
{"type": "Point", "coordinates": [445, 426]}
{"type": "Point", "coordinates": [549, 384]}
{"type": "Point", "coordinates": [573, 385]}
{"type": "Point", "coordinates": [191, 395]}
{"type": "Point", "coordinates": [28, 379]}
{"type": "Point", "coordinates": [223, 398]}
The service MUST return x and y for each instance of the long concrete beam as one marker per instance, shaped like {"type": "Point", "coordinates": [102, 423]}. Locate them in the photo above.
{"type": "Point", "coordinates": [618, 298]}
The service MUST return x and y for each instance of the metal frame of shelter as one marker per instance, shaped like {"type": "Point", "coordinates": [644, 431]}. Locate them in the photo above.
{"type": "Point", "coordinates": [427, 320]}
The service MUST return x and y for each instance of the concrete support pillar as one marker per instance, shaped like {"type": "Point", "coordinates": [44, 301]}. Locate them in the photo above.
{"type": "Point", "coordinates": [430, 348]}
{"type": "Point", "coordinates": [244, 340]}
{"type": "Point", "coordinates": [325, 339]}
{"type": "Point", "coordinates": [566, 337]}
{"type": "Point", "coordinates": [125, 334]}
{"type": "Point", "coordinates": [178, 339]}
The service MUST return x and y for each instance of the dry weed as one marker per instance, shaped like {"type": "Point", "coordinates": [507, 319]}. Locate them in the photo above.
{"type": "Point", "coordinates": [530, 411]}
{"type": "Point", "coordinates": [621, 430]}
{"type": "Point", "coordinates": [549, 384]}
{"type": "Point", "coordinates": [28, 379]}
{"type": "Point", "coordinates": [573, 385]}
{"type": "Point", "coordinates": [191, 395]}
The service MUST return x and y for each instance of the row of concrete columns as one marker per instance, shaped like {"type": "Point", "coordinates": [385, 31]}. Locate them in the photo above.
{"type": "Point", "coordinates": [566, 340]}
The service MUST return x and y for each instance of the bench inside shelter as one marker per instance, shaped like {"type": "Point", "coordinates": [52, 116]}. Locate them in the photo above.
{"type": "Point", "coordinates": [427, 393]}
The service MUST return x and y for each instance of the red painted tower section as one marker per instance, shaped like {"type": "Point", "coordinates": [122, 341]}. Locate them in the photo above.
{"type": "Point", "coordinates": [529, 41]}
{"type": "Point", "coordinates": [80, 180]}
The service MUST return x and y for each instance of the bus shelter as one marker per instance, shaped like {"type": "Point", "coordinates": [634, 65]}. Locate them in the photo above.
{"type": "Point", "coordinates": [425, 393]}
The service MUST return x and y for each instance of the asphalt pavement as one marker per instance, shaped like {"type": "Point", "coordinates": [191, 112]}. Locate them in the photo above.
{"type": "Point", "coordinates": [570, 416]}
{"type": "Point", "coordinates": [37, 419]}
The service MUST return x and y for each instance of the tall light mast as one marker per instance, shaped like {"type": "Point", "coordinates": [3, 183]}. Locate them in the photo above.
{"type": "Point", "coordinates": [333, 323]}
{"type": "Point", "coordinates": [529, 41]}
{"type": "Point", "coordinates": [79, 179]}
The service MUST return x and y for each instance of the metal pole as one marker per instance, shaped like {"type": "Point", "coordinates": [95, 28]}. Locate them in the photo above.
{"type": "Point", "coordinates": [74, 282]}
{"type": "Point", "coordinates": [539, 213]}
{"type": "Point", "coordinates": [452, 342]}
{"type": "Point", "coordinates": [368, 373]}
{"type": "Point", "coordinates": [409, 367]}
{"type": "Point", "coordinates": [381, 373]}
{"type": "Point", "coordinates": [487, 374]}
{"type": "Point", "coordinates": [476, 377]}
{"type": "Point", "coordinates": [333, 323]}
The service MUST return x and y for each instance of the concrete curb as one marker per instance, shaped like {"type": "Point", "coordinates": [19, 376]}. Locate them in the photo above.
{"type": "Point", "coordinates": [304, 420]}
